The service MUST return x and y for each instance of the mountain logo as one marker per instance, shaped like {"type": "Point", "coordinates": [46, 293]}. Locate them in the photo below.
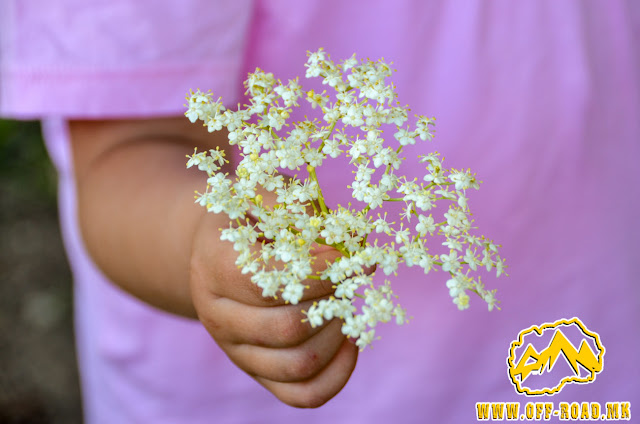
{"type": "Point", "coordinates": [535, 367]}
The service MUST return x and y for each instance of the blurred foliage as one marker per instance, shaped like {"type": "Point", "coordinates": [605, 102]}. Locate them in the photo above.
{"type": "Point", "coordinates": [24, 164]}
{"type": "Point", "coordinates": [38, 375]}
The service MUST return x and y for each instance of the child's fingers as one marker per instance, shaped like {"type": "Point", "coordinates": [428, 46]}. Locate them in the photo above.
{"type": "Point", "coordinates": [218, 275]}
{"type": "Point", "coordinates": [323, 386]}
{"type": "Point", "coordinates": [291, 364]}
{"type": "Point", "coordinates": [274, 327]}
{"type": "Point", "coordinates": [266, 337]}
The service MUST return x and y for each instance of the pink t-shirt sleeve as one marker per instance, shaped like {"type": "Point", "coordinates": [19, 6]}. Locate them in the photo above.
{"type": "Point", "coordinates": [117, 58]}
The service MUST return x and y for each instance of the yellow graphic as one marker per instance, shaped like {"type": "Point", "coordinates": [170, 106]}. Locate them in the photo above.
{"type": "Point", "coordinates": [532, 362]}
{"type": "Point", "coordinates": [565, 411]}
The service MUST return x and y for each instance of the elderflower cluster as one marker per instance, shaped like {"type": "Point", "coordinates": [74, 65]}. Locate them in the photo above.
{"type": "Point", "coordinates": [276, 246]}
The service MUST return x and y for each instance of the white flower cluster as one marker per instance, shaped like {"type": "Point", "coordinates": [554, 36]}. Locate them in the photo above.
{"type": "Point", "coordinates": [287, 232]}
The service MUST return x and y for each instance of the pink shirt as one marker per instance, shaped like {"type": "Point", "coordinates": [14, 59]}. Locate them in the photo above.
{"type": "Point", "coordinates": [541, 99]}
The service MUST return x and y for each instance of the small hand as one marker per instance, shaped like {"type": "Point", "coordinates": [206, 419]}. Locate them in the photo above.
{"type": "Point", "coordinates": [267, 338]}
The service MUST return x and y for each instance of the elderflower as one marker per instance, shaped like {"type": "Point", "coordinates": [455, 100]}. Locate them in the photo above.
{"type": "Point", "coordinates": [351, 121]}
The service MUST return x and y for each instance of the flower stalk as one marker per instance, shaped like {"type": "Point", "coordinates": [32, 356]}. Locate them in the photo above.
{"type": "Point", "coordinates": [353, 123]}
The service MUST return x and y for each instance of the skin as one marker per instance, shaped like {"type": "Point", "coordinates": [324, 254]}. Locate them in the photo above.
{"type": "Point", "coordinates": [142, 228]}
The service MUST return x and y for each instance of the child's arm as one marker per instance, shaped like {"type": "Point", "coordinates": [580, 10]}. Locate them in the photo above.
{"type": "Point", "coordinates": [141, 226]}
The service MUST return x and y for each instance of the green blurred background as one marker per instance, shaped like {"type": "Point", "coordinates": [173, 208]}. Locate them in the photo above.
{"type": "Point", "coordinates": [38, 372]}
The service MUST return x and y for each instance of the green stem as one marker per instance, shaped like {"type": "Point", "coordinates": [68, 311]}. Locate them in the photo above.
{"type": "Point", "coordinates": [338, 246]}
{"type": "Point", "coordinates": [314, 177]}
{"type": "Point", "coordinates": [333, 125]}
{"type": "Point", "coordinates": [315, 209]}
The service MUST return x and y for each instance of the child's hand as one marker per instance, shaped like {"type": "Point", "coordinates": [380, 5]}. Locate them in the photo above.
{"type": "Point", "coordinates": [139, 222]}
{"type": "Point", "coordinates": [302, 366]}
